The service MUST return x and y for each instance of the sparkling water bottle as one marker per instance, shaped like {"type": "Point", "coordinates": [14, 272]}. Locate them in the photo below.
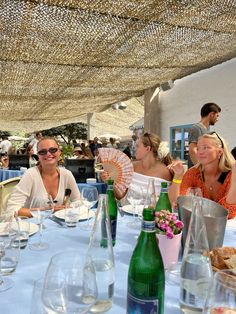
{"type": "Point", "coordinates": [146, 277]}
{"type": "Point", "coordinates": [163, 201]}
{"type": "Point", "coordinates": [112, 209]}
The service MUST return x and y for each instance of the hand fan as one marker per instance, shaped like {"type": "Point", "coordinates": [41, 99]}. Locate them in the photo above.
{"type": "Point", "coordinates": [118, 165]}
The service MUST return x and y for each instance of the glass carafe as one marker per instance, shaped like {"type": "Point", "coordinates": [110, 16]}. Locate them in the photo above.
{"type": "Point", "coordinates": [196, 271]}
{"type": "Point", "coordinates": [101, 252]}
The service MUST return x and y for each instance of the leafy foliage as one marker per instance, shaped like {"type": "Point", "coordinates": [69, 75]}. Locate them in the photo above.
{"type": "Point", "coordinates": [68, 132]}
{"type": "Point", "coordinates": [4, 133]}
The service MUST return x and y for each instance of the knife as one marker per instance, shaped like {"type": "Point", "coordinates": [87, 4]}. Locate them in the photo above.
{"type": "Point", "coordinates": [53, 218]}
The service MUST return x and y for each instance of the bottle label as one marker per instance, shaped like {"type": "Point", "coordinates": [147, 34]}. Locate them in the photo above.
{"type": "Point", "coordinates": [140, 306]}
{"type": "Point", "coordinates": [148, 226]}
{"type": "Point", "coordinates": [113, 227]}
{"type": "Point", "coordinates": [164, 190]}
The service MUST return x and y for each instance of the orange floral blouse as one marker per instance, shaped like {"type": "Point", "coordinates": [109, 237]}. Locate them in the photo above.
{"type": "Point", "coordinates": [193, 178]}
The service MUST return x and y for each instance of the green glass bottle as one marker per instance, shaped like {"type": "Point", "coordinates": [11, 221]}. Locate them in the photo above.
{"type": "Point", "coordinates": [163, 201]}
{"type": "Point", "coordinates": [146, 276]}
{"type": "Point", "coordinates": [112, 209]}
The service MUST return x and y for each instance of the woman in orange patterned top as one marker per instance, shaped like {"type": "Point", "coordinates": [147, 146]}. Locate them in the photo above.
{"type": "Point", "coordinates": [215, 172]}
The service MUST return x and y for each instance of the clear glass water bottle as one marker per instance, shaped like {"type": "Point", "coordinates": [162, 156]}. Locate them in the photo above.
{"type": "Point", "coordinates": [146, 277]}
{"type": "Point", "coordinates": [196, 270]}
{"type": "Point", "coordinates": [101, 251]}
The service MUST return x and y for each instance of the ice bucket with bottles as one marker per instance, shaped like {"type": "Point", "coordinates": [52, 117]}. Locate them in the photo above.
{"type": "Point", "coordinates": [215, 217]}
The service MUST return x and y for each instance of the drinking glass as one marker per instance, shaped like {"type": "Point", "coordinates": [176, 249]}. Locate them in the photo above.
{"type": "Point", "coordinates": [135, 197]}
{"type": "Point", "coordinates": [222, 294]}
{"type": "Point", "coordinates": [41, 212]}
{"type": "Point", "coordinates": [70, 284]}
{"type": "Point", "coordinates": [8, 262]}
{"type": "Point", "coordinates": [194, 191]}
{"type": "Point", "coordinates": [36, 300]}
{"type": "Point", "coordinates": [89, 197]}
{"type": "Point", "coordinates": [72, 214]}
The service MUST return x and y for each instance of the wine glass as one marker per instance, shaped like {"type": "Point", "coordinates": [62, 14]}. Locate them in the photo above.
{"type": "Point", "coordinates": [89, 197]}
{"type": "Point", "coordinates": [135, 197]}
{"type": "Point", "coordinates": [194, 191]}
{"type": "Point", "coordinates": [8, 236]}
{"type": "Point", "coordinates": [41, 211]}
{"type": "Point", "coordinates": [222, 294]}
{"type": "Point", "coordinates": [70, 284]}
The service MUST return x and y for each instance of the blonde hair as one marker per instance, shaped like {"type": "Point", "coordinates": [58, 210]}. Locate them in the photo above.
{"type": "Point", "coordinates": [160, 149]}
{"type": "Point", "coordinates": [47, 138]}
{"type": "Point", "coordinates": [226, 159]}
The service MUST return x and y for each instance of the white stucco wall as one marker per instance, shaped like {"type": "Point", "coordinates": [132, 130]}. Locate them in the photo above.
{"type": "Point", "coordinates": [181, 105]}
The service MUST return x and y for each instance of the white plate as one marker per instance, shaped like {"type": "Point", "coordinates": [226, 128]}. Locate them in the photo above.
{"type": "Point", "coordinates": [33, 227]}
{"type": "Point", "coordinates": [83, 214]}
{"type": "Point", "coordinates": [129, 209]}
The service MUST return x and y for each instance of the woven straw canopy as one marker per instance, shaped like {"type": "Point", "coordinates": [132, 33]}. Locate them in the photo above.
{"type": "Point", "coordinates": [63, 59]}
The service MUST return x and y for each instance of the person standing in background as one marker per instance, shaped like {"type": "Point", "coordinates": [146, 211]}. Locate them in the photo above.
{"type": "Point", "coordinates": [112, 143]}
{"type": "Point", "coordinates": [5, 145]}
{"type": "Point", "coordinates": [133, 146]}
{"type": "Point", "coordinates": [209, 116]}
{"type": "Point", "coordinates": [34, 142]}
{"type": "Point", "coordinates": [94, 145]}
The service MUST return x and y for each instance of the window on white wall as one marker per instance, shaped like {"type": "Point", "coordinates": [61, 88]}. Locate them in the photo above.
{"type": "Point", "coordinates": [179, 141]}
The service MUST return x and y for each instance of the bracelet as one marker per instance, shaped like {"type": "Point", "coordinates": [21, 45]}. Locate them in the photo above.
{"type": "Point", "coordinates": [176, 181]}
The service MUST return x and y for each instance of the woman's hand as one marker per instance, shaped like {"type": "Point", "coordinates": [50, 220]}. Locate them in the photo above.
{"type": "Point", "coordinates": [104, 176]}
{"type": "Point", "coordinates": [58, 207]}
{"type": "Point", "coordinates": [177, 169]}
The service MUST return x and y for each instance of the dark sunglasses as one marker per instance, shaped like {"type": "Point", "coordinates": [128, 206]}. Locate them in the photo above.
{"type": "Point", "coordinates": [221, 142]}
{"type": "Point", "coordinates": [51, 150]}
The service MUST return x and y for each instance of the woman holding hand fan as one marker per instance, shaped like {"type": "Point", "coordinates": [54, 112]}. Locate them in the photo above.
{"type": "Point", "coordinates": [152, 159]}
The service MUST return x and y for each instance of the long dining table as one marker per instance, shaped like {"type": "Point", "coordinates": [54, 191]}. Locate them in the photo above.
{"type": "Point", "coordinates": [6, 174]}
{"type": "Point", "coordinates": [33, 264]}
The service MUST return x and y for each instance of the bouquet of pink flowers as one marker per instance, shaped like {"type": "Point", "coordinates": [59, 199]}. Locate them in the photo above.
{"type": "Point", "coordinates": [167, 223]}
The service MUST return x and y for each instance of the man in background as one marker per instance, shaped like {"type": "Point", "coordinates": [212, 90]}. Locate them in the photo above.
{"type": "Point", "coordinates": [209, 116]}
{"type": "Point", "coordinates": [34, 142]}
{"type": "Point", "coordinates": [94, 145]}
{"type": "Point", "coordinates": [5, 145]}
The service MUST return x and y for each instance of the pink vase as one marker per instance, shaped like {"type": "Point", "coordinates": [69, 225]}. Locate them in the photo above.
{"type": "Point", "coordinates": [169, 249]}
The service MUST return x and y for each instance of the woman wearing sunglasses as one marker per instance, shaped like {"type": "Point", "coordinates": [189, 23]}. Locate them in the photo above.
{"type": "Point", "coordinates": [214, 174]}
{"type": "Point", "coordinates": [43, 182]}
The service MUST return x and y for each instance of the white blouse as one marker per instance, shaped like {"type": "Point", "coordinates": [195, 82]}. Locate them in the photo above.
{"type": "Point", "coordinates": [30, 191]}
{"type": "Point", "coordinates": [141, 180]}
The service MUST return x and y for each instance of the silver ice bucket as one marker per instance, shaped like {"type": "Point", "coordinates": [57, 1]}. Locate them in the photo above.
{"type": "Point", "coordinates": [215, 217]}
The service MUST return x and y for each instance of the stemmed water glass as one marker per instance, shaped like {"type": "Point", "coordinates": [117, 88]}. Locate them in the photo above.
{"type": "Point", "coordinates": [89, 198]}
{"type": "Point", "coordinates": [70, 284]}
{"type": "Point", "coordinates": [222, 294]}
{"type": "Point", "coordinates": [42, 211]}
{"type": "Point", "coordinates": [8, 234]}
{"type": "Point", "coordinates": [194, 191]}
{"type": "Point", "coordinates": [136, 199]}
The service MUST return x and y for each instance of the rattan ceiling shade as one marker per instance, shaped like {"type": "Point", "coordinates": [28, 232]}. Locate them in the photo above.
{"type": "Point", "coordinates": [60, 60]}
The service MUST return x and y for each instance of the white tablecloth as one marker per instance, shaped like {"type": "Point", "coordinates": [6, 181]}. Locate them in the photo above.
{"type": "Point", "coordinates": [33, 264]}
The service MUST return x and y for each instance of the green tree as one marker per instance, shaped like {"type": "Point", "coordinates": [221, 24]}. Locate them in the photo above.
{"type": "Point", "coordinates": [4, 133]}
{"type": "Point", "coordinates": [68, 132]}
